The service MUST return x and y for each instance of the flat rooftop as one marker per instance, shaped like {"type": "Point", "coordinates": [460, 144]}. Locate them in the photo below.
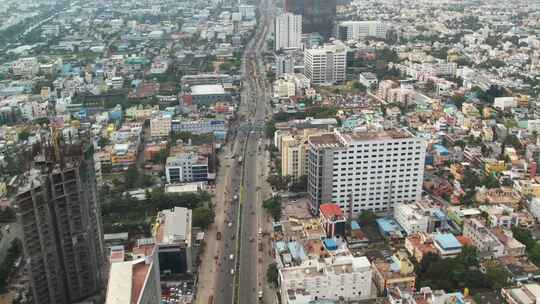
{"type": "Point", "coordinates": [325, 141]}
{"type": "Point", "coordinates": [126, 281]}
{"type": "Point", "coordinates": [175, 226]}
{"type": "Point", "coordinates": [379, 135]}
{"type": "Point", "coordinates": [207, 89]}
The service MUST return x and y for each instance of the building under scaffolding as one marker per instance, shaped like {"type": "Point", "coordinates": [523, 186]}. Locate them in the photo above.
{"type": "Point", "coordinates": [58, 209]}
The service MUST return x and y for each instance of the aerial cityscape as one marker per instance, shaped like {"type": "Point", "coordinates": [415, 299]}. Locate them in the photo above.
{"type": "Point", "coordinates": [269, 152]}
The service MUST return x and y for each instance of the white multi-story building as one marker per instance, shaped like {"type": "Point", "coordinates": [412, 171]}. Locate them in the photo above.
{"type": "Point", "coordinates": [368, 170]}
{"type": "Point", "coordinates": [288, 31]}
{"type": "Point", "coordinates": [411, 218]}
{"type": "Point", "coordinates": [482, 238]}
{"type": "Point", "coordinates": [26, 66]}
{"type": "Point", "coordinates": [354, 30]}
{"type": "Point", "coordinates": [326, 65]}
{"type": "Point", "coordinates": [284, 89]}
{"type": "Point", "coordinates": [186, 167]}
{"type": "Point", "coordinates": [368, 79]}
{"type": "Point", "coordinates": [246, 11]}
{"type": "Point", "coordinates": [345, 277]}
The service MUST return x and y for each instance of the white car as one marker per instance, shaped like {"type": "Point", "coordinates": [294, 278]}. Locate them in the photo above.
{"type": "Point", "coordinates": [229, 224]}
{"type": "Point", "coordinates": [231, 257]}
{"type": "Point", "coordinates": [232, 271]}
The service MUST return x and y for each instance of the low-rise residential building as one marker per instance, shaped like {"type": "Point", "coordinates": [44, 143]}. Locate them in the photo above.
{"type": "Point", "coordinates": [332, 279]}
{"type": "Point", "coordinates": [482, 239]}
{"type": "Point", "coordinates": [399, 273]}
{"type": "Point", "coordinates": [201, 126]}
{"type": "Point", "coordinates": [420, 216]}
{"type": "Point", "coordinates": [527, 293]}
{"type": "Point", "coordinates": [368, 79]}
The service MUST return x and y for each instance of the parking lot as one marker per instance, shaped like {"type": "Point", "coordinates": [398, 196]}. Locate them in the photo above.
{"type": "Point", "coordinates": [180, 292]}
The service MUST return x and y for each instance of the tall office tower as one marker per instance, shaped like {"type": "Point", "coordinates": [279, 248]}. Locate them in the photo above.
{"type": "Point", "coordinates": [60, 216]}
{"type": "Point", "coordinates": [354, 30]}
{"type": "Point", "coordinates": [326, 65]}
{"type": "Point", "coordinates": [317, 15]}
{"type": "Point", "coordinates": [370, 170]}
{"type": "Point", "coordinates": [288, 31]}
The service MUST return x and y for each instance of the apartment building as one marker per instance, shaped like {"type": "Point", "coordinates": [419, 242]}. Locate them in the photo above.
{"type": "Point", "coordinates": [62, 235]}
{"type": "Point", "coordinates": [294, 152]}
{"type": "Point", "coordinates": [327, 64]}
{"type": "Point", "coordinates": [355, 30]}
{"type": "Point", "coordinates": [344, 277]}
{"type": "Point", "coordinates": [419, 217]}
{"type": "Point", "coordinates": [367, 170]}
{"type": "Point", "coordinates": [486, 243]}
{"type": "Point", "coordinates": [160, 125]}
{"type": "Point", "coordinates": [288, 32]}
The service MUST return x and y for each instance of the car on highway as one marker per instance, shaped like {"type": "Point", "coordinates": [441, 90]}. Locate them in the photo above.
{"type": "Point", "coordinates": [232, 271]}
{"type": "Point", "coordinates": [231, 257]}
{"type": "Point", "coordinates": [229, 224]}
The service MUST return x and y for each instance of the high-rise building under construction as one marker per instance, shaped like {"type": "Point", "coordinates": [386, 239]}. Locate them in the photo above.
{"type": "Point", "coordinates": [60, 216]}
{"type": "Point", "coordinates": [317, 15]}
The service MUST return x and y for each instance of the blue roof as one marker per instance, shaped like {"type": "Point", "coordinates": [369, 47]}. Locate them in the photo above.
{"type": "Point", "coordinates": [296, 250]}
{"type": "Point", "coordinates": [388, 224]}
{"type": "Point", "coordinates": [281, 247]}
{"type": "Point", "coordinates": [447, 241]}
{"type": "Point", "coordinates": [441, 149]}
{"type": "Point", "coordinates": [330, 244]}
{"type": "Point", "coordinates": [439, 214]}
{"type": "Point", "coordinates": [355, 225]}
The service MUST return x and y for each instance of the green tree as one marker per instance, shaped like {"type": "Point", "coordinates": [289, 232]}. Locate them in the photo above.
{"type": "Point", "coordinates": [23, 135]}
{"type": "Point", "coordinates": [103, 141]}
{"type": "Point", "coordinates": [497, 277]}
{"type": "Point", "coordinates": [203, 217]}
{"type": "Point", "coordinates": [490, 182]}
{"type": "Point", "coordinates": [512, 140]}
{"type": "Point", "coordinates": [367, 217]}
{"type": "Point", "coordinates": [269, 129]}
{"type": "Point", "coordinates": [359, 87]}
{"type": "Point", "coordinates": [161, 157]}
{"type": "Point", "coordinates": [300, 184]}
{"type": "Point", "coordinates": [272, 275]}
{"type": "Point", "coordinates": [273, 206]}
{"type": "Point", "coordinates": [470, 179]}
{"type": "Point", "coordinates": [131, 176]}
{"type": "Point", "coordinates": [279, 182]}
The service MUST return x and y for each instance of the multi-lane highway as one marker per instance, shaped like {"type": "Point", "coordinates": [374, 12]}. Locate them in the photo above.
{"type": "Point", "coordinates": [232, 270]}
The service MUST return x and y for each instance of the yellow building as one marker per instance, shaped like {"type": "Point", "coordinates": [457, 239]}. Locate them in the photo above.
{"type": "Point", "coordinates": [293, 152]}
{"type": "Point", "coordinates": [386, 277]}
{"type": "Point", "coordinates": [457, 171]}
{"type": "Point", "coordinates": [494, 166]}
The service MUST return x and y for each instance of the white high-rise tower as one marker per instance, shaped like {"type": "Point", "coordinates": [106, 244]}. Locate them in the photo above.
{"type": "Point", "coordinates": [288, 31]}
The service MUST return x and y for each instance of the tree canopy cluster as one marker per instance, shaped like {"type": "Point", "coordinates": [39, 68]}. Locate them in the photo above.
{"type": "Point", "coordinates": [461, 272]}
{"type": "Point", "coordinates": [273, 207]}
{"type": "Point", "coordinates": [125, 213]}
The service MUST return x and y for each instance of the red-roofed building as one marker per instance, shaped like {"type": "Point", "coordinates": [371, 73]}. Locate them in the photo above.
{"type": "Point", "coordinates": [332, 220]}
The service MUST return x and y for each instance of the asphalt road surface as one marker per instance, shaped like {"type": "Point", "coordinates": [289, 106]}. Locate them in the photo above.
{"type": "Point", "coordinates": [242, 179]}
